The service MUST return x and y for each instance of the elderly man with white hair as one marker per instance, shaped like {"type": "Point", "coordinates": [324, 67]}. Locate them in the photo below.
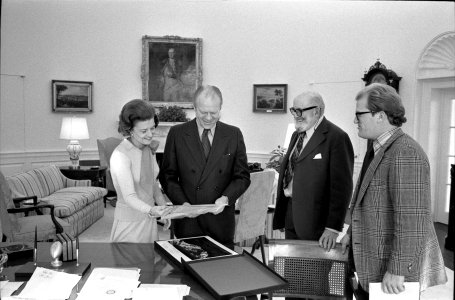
{"type": "Point", "coordinates": [315, 182]}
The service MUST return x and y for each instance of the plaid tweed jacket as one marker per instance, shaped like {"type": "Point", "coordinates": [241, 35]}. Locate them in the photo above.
{"type": "Point", "coordinates": [392, 227]}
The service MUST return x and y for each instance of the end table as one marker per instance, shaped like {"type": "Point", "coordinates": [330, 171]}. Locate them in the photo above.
{"type": "Point", "coordinates": [96, 174]}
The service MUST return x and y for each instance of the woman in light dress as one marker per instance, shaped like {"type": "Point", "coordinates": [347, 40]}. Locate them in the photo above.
{"type": "Point", "coordinates": [134, 173]}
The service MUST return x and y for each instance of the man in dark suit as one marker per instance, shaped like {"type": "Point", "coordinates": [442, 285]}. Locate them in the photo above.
{"type": "Point", "coordinates": [392, 235]}
{"type": "Point", "coordinates": [315, 182]}
{"type": "Point", "coordinates": [205, 162]}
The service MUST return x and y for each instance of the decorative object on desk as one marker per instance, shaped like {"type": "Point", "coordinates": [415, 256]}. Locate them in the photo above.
{"type": "Point", "coordinates": [194, 248]}
{"type": "Point", "coordinates": [74, 129]}
{"type": "Point", "coordinates": [56, 251]}
{"type": "Point", "coordinates": [276, 159]}
{"type": "Point", "coordinates": [69, 246]}
{"type": "Point", "coordinates": [71, 96]}
{"type": "Point", "coordinates": [16, 250]}
{"type": "Point", "coordinates": [172, 114]}
{"type": "Point", "coordinates": [270, 98]}
{"type": "Point", "coordinates": [238, 275]}
{"type": "Point", "coordinates": [171, 69]}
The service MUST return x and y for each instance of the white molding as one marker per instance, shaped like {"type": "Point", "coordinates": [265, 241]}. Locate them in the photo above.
{"type": "Point", "coordinates": [437, 60]}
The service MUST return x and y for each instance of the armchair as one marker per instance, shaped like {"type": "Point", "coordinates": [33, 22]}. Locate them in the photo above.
{"type": "Point", "coordinates": [105, 149]}
{"type": "Point", "coordinates": [18, 226]}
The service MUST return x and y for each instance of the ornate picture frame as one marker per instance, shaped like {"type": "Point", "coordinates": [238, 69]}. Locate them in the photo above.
{"type": "Point", "coordinates": [270, 98]}
{"type": "Point", "coordinates": [171, 70]}
{"type": "Point", "coordinates": [72, 96]}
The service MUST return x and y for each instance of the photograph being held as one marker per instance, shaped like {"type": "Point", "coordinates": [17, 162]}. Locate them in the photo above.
{"type": "Point", "coordinates": [134, 173]}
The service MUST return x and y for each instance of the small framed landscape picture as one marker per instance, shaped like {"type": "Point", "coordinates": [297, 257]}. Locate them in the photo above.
{"type": "Point", "coordinates": [71, 96]}
{"type": "Point", "coordinates": [270, 98]}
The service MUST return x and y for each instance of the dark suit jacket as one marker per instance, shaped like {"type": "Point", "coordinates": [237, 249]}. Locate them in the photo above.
{"type": "Point", "coordinates": [187, 177]}
{"type": "Point", "coordinates": [392, 227]}
{"type": "Point", "coordinates": [322, 188]}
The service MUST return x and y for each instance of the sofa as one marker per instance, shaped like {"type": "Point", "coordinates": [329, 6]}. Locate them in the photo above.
{"type": "Point", "coordinates": [76, 202]}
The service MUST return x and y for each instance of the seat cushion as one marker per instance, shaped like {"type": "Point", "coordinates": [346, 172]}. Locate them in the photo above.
{"type": "Point", "coordinates": [51, 179]}
{"type": "Point", "coordinates": [67, 201]}
{"type": "Point", "coordinates": [26, 184]}
{"type": "Point", "coordinates": [46, 229]}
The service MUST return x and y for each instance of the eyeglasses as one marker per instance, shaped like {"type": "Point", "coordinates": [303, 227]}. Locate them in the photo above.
{"type": "Point", "coordinates": [298, 111]}
{"type": "Point", "coordinates": [357, 114]}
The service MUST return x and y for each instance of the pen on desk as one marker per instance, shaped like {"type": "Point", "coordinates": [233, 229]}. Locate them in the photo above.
{"type": "Point", "coordinates": [35, 246]}
{"type": "Point", "coordinates": [77, 251]}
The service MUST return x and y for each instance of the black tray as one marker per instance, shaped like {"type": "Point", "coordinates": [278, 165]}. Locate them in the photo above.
{"type": "Point", "coordinates": [238, 275]}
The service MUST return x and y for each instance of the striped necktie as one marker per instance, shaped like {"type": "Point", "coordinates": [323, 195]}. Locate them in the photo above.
{"type": "Point", "coordinates": [295, 155]}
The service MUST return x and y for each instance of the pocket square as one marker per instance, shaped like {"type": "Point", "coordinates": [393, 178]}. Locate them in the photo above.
{"type": "Point", "coordinates": [318, 156]}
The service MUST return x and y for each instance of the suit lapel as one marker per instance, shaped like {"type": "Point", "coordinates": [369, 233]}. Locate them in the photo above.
{"type": "Point", "coordinates": [317, 138]}
{"type": "Point", "coordinates": [194, 145]}
{"type": "Point", "coordinates": [363, 186]}
{"type": "Point", "coordinates": [216, 152]}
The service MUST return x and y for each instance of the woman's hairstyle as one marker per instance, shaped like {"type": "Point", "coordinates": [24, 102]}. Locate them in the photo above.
{"type": "Point", "coordinates": [133, 111]}
{"type": "Point", "coordinates": [384, 98]}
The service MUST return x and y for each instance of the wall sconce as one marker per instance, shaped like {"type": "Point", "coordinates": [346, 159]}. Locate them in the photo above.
{"type": "Point", "coordinates": [74, 129]}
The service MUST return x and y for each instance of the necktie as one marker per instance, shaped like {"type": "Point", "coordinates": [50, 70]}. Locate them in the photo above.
{"type": "Point", "coordinates": [205, 142]}
{"type": "Point", "coordinates": [366, 162]}
{"type": "Point", "coordinates": [295, 155]}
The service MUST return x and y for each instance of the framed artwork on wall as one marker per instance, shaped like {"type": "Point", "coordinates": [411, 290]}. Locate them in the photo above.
{"type": "Point", "coordinates": [72, 96]}
{"type": "Point", "coordinates": [270, 98]}
{"type": "Point", "coordinates": [171, 70]}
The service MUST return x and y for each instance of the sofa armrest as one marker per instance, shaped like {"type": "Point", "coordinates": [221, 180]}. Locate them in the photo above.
{"type": "Point", "coordinates": [72, 183]}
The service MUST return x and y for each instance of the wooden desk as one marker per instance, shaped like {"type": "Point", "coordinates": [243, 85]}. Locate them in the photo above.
{"type": "Point", "coordinates": [96, 174]}
{"type": "Point", "coordinates": [154, 267]}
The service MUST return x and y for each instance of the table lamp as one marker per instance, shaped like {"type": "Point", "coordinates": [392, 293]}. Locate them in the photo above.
{"type": "Point", "coordinates": [74, 129]}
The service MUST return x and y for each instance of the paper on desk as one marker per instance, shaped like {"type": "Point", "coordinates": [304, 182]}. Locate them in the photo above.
{"type": "Point", "coordinates": [110, 283]}
{"type": "Point", "coordinates": [161, 291]}
{"type": "Point", "coordinates": [191, 211]}
{"type": "Point", "coordinates": [411, 292]}
{"type": "Point", "coordinates": [9, 287]}
{"type": "Point", "coordinates": [49, 284]}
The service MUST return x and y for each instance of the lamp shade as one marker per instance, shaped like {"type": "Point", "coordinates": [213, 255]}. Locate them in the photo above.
{"type": "Point", "coordinates": [74, 128]}
{"type": "Point", "coordinates": [289, 132]}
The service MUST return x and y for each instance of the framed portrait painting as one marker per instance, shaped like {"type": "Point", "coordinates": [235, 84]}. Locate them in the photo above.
{"type": "Point", "coordinates": [72, 96]}
{"type": "Point", "coordinates": [171, 70]}
{"type": "Point", "coordinates": [270, 98]}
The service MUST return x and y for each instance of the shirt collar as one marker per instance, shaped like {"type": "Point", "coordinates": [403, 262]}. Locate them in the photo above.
{"type": "Point", "coordinates": [310, 131]}
{"type": "Point", "coordinates": [200, 129]}
{"type": "Point", "coordinates": [382, 139]}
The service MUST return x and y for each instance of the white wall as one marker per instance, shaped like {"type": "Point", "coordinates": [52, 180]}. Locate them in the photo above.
{"type": "Point", "coordinates": [325, 46]}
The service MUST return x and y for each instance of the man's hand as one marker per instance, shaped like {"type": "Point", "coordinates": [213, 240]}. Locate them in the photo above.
{"type": "Point", "coordinates": [328, 239]}
{"type": "Point", "coordinates": [220, 203]}
{"type": "Point", "coordinates": [392, 284]}
{"type": "Point", "coordinates": [345, 243]}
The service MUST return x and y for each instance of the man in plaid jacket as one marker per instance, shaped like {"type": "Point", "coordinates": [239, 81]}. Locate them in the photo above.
{"type": "Point", "coordinates": [392, 236]}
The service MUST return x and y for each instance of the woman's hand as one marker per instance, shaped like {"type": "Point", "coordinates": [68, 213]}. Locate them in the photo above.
{"type": "Point", "coordinates": [159, 211]}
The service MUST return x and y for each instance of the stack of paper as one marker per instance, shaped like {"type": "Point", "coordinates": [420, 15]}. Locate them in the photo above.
{"type": "Point", "coordinates": [49, 284]}
{"type": "Point", "coordinates": [411, 292]}
{"type": "Point", "coordinates": [161, 291]}
{"type": "Point", "coordinates": [110, 283]}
